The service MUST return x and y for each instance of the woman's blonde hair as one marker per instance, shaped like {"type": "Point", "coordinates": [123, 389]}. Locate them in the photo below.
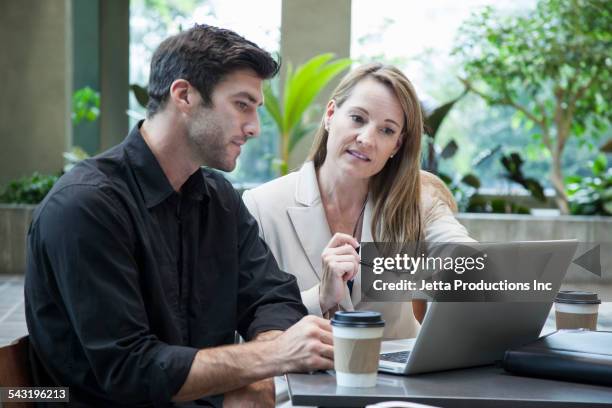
{"type": "Point", "coordinates": [396, 189]}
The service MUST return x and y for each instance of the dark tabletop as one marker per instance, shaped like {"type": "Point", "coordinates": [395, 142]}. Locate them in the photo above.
{"type": "Point", "coordinates": [474, 387]}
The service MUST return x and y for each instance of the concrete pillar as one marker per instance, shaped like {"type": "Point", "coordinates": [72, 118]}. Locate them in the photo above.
{"type": "Point", "coordinates": [86, 68]}
{"type": "Point", "coordinates": [36, 75]}
{"type": "Point", "coordinates": [46, 55]}
{"type": "Point", "coordinates": [114, 71]}
{"type": "Point", "coordinates": [101, 61]}
{"type": "Point", "coordinates": [309, 28]}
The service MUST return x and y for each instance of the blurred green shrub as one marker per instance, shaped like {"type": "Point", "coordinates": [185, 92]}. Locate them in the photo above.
{"type": "Point", "coordinates": [85, 105]}
{"type": "Point", "coordinates": [28, 190]}
{"type": "Point", "coordinates": [591, 195]}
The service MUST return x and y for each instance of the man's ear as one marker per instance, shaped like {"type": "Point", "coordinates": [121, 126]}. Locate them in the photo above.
{"type": "Point", "coordinates": [181, 95]}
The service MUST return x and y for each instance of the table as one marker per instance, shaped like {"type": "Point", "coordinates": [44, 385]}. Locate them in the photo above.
{"type": "Point", "coordinates": [488, 386]}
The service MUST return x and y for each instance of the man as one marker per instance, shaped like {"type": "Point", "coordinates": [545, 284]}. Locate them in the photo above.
{"type": "Point", "coordinates": [140, 263]}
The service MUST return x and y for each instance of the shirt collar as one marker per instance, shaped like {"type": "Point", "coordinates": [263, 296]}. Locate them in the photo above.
{"type": "Point", "coordinates": [154, 184]}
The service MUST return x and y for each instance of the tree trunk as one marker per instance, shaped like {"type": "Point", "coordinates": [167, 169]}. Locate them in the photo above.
{"type": "Point", "coordinates": [562, 123]}
{"type": "Point", "coordinates": [556, 177]}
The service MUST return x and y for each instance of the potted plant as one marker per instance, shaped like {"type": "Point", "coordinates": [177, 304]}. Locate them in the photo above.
{"type": "Point", "coordinates": [551, 65]}
{"type": "Point", "coordinates": [300, 89]}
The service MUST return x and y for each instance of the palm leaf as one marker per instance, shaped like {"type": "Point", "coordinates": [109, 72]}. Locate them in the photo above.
{"type": "Point", "coordinates": [449, 150]}
{"type": "Point", "coordinates": [314, 86]}
{"type": "Point", "coordinates": [434, 120]}
{"type": "Point", "coordinates": [141, 94]}
{"type": "Point", "coordinates": [297, 81]}
{"type": "Point", "coordinates": [471, 180]}
{"type": "Point", "coordinates": [272, 105]}
{"type": "Point", "coordinates": [300, 90]}
{"type": "Point", "coordinates": [299, 132]}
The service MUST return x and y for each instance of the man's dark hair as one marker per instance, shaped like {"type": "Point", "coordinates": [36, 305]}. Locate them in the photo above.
{"type": "Point", "coordinates": [203, 55]}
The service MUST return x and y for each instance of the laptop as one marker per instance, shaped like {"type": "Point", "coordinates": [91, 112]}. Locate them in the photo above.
{"type": "Point", "coordinates": [468, 334]}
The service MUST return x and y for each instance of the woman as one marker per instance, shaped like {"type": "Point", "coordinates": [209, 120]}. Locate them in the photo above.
{"type": "Point", "coordinates": [362, 182]}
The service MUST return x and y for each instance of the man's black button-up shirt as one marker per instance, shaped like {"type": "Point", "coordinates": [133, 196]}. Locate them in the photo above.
{"type": "Point", "coordinates": [126, 278]}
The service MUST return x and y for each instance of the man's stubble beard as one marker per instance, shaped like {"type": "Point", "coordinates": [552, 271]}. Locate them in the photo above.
{"type": "Point", "coordinates": [206, 137]}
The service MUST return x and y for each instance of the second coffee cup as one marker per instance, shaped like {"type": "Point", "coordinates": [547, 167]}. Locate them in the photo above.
{"type": "Point", "coordinates": [357, 337]}
{"type": "Point", "coordinates": [576, 310]}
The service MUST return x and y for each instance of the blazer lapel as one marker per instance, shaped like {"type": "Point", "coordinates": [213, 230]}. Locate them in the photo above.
{"type": "Point", "coordinates": [310, 223]}
{"type": "Point", "coordinates": [366, 236]}
{"type": "Point", "coordinates": [313, 233]}
{"type": "Point", "coordinates": [308, 217]}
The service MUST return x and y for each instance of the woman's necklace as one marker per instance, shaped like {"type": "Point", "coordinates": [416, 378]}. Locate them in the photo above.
{"type": "Point", "coordinates": [357, 222]}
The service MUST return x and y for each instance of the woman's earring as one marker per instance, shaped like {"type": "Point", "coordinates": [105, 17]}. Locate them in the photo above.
{"type": "Point", "coordinates": [391, 156]}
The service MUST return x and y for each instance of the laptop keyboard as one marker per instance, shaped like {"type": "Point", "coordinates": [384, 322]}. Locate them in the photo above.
{"type": "Point", "coordinates": [397, 357]}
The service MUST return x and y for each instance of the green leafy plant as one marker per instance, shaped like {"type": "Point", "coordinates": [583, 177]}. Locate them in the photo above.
{"type": "Point", "coordinates": [300, 89]}
{"type": "Point", "coordinates": [591, 195]}
{"type": "Point", "coordinates": [141, 94]}
{"type": "Point", "coordinates": [28, 190]}
{"type": "Point", "coordinates": [466, 187]}
{"type": "Point", "coordinates": [513, 164]}
{"type": "Point", "coordinates": [551, 65]}
{"type": "Point", "coordinates": [72, 157]}
{"type": "Point", "coordinates": [85, 105]}
{"type": "Point", "coordinates": [433, 121]}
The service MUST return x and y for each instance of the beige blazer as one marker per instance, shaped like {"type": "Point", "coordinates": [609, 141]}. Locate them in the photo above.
{"type": "Point", "coordinates": [292, 222]}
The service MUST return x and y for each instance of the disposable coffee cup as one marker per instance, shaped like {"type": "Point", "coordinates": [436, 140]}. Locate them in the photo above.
{"type": "Point", "coordinates": [576, 310]}
{"type": "Point", "coordinates": [357, 337]}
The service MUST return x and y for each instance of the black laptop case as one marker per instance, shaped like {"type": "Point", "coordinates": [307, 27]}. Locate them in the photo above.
{"type": "Point", "coordinates": [572, 355]}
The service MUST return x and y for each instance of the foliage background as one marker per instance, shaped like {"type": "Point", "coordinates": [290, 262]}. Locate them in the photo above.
{"type": "Point", "coordinates": [419, 37]}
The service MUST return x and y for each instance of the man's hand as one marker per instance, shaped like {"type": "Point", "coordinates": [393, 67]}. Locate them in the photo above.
{"type": "Point", "coordinates": [306, 346]}
{"type": "Point", "coordinates": [260, 394]}
{"type": "Point", "coordinates": [268, 335]}
{"type": "Point", "coordinates": [340, 264]}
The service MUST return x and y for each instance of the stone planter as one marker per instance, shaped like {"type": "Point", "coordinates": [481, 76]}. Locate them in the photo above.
{"type": "Point", "coordinates": [514, 227]}
{"type": "Point", "coordinates": [14, 223]}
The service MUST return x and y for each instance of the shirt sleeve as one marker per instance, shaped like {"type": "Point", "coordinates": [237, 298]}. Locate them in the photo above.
{"type": "Point", "coordinates": [268, 298]}
{"type": "Point", "coordinates": [442, 226]}
{"type": "Point", "coordinates": [85, 238]}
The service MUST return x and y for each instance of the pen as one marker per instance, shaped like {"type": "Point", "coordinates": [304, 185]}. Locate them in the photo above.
{"type": "Point", "coordinates": [364, 263]}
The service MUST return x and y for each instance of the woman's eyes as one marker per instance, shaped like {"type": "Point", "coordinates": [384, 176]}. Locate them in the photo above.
{"type": "Point", "coordinates": [357, 118]}
{"type": "Point", "coordinates": [360, 120]}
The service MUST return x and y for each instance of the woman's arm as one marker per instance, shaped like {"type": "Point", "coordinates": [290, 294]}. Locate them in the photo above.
{"type": "Point", "coordinates": [440, 225]}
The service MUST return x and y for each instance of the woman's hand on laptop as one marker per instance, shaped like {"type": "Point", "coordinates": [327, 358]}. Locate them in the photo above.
{"type": "Point", "coordinates": [340, 264]}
